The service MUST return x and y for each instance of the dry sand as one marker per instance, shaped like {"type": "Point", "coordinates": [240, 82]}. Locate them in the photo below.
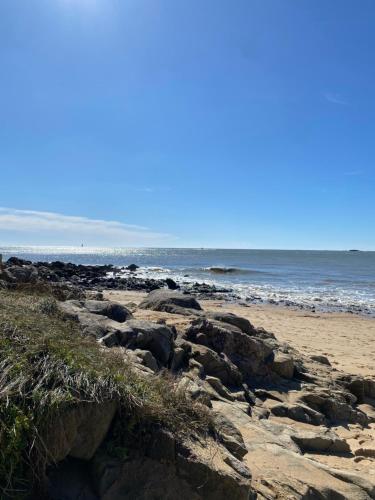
{"type": "Point", "coordinates": [347, 340]}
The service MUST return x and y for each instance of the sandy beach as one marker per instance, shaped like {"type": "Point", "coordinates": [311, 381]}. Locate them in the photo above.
{"type": "Point", "coordinates": [346, 339]}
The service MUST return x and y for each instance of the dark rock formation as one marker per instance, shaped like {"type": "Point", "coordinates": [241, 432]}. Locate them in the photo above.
{"type": "Point", "coordinates": [171, 302]}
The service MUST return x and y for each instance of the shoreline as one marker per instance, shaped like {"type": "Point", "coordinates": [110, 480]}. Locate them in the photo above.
{"type": "Point", "coordinates": [309, 284]}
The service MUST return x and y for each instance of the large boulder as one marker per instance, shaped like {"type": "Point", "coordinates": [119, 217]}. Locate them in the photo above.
{"type": "Point", "coordinates": [251, 355]}
{"type": "Point", "coordinates": [112, 310]}
{"type": "Point", "coordinates": [171, 302]}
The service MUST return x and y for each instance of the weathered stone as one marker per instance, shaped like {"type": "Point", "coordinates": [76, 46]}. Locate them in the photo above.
{"type": "Point", "coordinates": [322, 441]}
{"type": "Point", "coordinates": [230, 436]}
{"type": "Point", "coordinates": [217, 385]}
{"type": "Point", "coordinates": [238, 466]}
{"type": "Point", "coordinates": [283, 365]}
{"type": "Point", "coordinates": [365, 451]}
{"type": "Point", "coordinates": [217, 366]}
{"type": "Point", "coordinates": [320, 359]}
{"type": "Point", "coordinates": [179, 359]}
{"type": "Point", "coordinates": [147, 359]}
{"type": "Point", "coordinates": [171, 302]}
{"type": "Point", "coordinates": [154, 337]}
{"type": "Point", "coordinates": [113, 311]}
{"type": "Point", "coordinates": [21, 274]}
{"type": "Point", "coordinates": [336, 405]}
{"type": "Point", "coordinates": [251, 355]}
{"type": "Point", "coordinates": [298, 412]}
{"type": "Point", "coordinates": [79, 431]}
{"type": "Point", "coordinates": [242, 323]}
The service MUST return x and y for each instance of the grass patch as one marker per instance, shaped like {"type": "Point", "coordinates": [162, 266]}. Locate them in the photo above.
{"type": "Point", "coordinates": [47, 366]}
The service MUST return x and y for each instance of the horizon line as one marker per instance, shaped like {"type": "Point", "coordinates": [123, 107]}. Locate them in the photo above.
{"type": "Point", "coordinates": [93, 247]}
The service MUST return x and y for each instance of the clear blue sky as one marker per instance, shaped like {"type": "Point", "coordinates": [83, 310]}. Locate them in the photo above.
{"type": "Point", "coordinates": [221, 123]}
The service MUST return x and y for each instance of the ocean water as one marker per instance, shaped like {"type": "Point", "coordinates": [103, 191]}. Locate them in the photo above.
{"type": "Point", "coordinates": [322, 279]}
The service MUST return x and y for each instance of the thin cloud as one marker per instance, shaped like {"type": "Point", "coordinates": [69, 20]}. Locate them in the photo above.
{"type": "Point", "coordinates": [335, 98]}
{"type": "Point", "coordinates": [68, 227]}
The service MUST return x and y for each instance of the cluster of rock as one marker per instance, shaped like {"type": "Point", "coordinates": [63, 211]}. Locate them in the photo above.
{"type": "Point", "coordinates": [71, 280]}
{"type": "Point", "coordinates": [273, 407]}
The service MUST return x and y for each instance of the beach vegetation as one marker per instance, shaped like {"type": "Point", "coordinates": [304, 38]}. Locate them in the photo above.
{"type": "Point", "coordinates": [47, 366]}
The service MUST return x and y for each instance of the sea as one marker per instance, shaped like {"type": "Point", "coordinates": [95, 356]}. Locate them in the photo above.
{"type": "Point", "coordinates": [321, 280]}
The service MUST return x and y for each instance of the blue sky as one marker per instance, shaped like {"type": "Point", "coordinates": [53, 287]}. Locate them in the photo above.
{"type": "Point", "coordinates": [204, 123]}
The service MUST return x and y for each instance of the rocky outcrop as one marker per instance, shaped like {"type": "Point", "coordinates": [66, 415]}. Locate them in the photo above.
{"type": "Point", "coordinates": [278, 414]}
{"type": "Point", "coordinates": [160, 468]}
{"type": "Point", "coordinates": [249, 354]}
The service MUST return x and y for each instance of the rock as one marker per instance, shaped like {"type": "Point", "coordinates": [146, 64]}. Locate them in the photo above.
{"type": "Point", "coordinates": [147, 359]}
{"type": "Point", "coordinates": [22, 274]}
{"type": "Point", "coordinates": [365, 451]}
{"type": "Point", "coordinates": [171, 302]}
{"type": "Point", "coordinates": [217, 385]}
{"type": "Point", "coordinates": [242, 323]}
{"type": "Point", "coordinates": [171, 471]}
{"type": "Point", "coordinates": [326, 441]}
{"type": "Point", "coordinates": [154, 337]}
{"type": "Point", "coordinates": [283, 365]}
{"type": "Point", "coordinates": [230, 436]}
{"type": "Point", "coordinates": [279, 470]}
{"type": "Point", "coordinates": [70, 480]}
{"type": "Point", "coordinates": [320, 359]}
{"type": "Point", "coordinates": [368, 410]}
{"type": "Point", "coordinates": [363, 488]}
{"type": "Point", "coordinates": [196, 368]}
{"type": "Point", "coordinates": [298, 412]}
{"type": "Point", "coordinates": [192, 385]}
{"type": "Point", "coordinates": [113, 311]}
{"type": "Point", "coordinates": [336, 405]}
{"type": "Point", "coordinates": [172, 285]}
{"type": "Point", "coordinates": [79, 431]}
{"type": "Point", "coordinates": [179, 359]}
{"type": "Point", "coordinates": [238, 466]}
{"type": "Point", "coordinates": [132, 267]}
{"type": "Point", "coordinates": [369, 387]}
{"type": "Point", "coordinates": [251, 355]}
{"type": "Point", "coordinates": [15, 261]}
{"type": "Point", "coordinates": [217, 366]}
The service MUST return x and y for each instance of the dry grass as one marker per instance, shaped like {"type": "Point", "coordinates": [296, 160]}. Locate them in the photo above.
{"type": "Point", "coordinates": [47, 366]}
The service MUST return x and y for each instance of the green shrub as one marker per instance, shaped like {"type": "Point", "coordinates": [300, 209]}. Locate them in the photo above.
{"type": "Point", "coordinates": [47, 366]}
